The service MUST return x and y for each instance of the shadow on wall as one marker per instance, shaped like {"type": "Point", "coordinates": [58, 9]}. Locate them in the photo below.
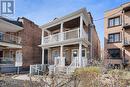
{"type": "Point", "coordinates": [124, 53]}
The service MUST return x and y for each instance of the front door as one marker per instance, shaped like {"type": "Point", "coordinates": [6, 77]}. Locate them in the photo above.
{"type": "Point", "coordinates": [75, 55]}
{"type": "Point", "coordinates": [55, 54]}
{"type": "Point", "coordinates": [67, 57]}
{"type": "Point", "coordinates": [18, 60]}
{"type": "Point", "coordinates": [46, 56]}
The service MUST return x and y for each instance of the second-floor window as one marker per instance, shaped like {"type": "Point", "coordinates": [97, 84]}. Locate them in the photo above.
{"type": "Point", "coordinates": [114, 37]}
{"type": "Point", "coordinates": [114, 21]}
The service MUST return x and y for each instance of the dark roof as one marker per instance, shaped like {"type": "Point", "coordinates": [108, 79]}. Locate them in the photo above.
{"type": "Point", "coordinates": [11, 21]}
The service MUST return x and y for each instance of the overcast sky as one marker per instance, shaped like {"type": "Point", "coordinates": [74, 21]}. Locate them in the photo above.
{"type": "Point", "coordinates": [43, 11]}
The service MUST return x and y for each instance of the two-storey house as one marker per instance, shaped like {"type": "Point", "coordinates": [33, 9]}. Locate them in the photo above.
{"type": "Point", "coordinates": [70, 42]}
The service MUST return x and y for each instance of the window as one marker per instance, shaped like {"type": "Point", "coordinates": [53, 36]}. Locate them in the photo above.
{"type": "Point", "coordinates": [83, 53]}
{"type": "Point", "coordinates": [1, 36]}
{"type": "Point", "coordinates": [114, 53]}
{"type": "Point", "coordinates": [114, 21]}
{"type": "Point", "coordinates": [114, 37]}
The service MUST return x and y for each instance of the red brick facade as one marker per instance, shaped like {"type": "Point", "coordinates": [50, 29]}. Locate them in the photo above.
{"type": "Point", "coordinates": [31, 38]}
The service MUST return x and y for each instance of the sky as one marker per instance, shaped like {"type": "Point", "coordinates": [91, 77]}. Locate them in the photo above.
{"type": "Point", "coordinates": [44, 11]}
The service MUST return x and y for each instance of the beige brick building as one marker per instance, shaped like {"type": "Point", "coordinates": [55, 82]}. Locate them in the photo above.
{"type": "Point", "coordinates": [117, 36]}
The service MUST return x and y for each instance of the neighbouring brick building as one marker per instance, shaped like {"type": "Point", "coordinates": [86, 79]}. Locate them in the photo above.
{"type": "Point", "coordinates": [19, 42]}
{"type": "Point", "coordinates": [117, 36]}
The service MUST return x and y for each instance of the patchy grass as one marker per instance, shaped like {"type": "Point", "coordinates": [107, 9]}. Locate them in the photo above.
{"type": "Point", "coordinates": [91, 69]}
{"type": "Point", "coordinates": [93, 77]}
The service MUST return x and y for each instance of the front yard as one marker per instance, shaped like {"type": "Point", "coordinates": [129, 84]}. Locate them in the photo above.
{"type": "Point", "coordinates": [82, 77]}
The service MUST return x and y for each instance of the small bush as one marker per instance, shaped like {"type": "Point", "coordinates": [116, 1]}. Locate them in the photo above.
{"type": "Point", "coordinates": [88, 76]}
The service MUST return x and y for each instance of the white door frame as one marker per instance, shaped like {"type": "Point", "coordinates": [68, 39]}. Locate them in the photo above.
{"type": "Point", "coordinates": [78, 52]}
{"type": "Point", "coordinates": [19, 59]}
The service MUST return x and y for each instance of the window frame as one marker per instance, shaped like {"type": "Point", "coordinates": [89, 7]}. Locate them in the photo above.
{"type": "Point", "coordinates": [114, 38]}
{"type": "Point", "coordinates": [113, 21]}
{"type": "Point", "coordinates": [117, 57]}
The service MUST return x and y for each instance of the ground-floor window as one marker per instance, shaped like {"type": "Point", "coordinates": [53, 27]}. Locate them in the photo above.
{"type": "Point", "coordinates": [114, 66]}
{"type": "Point", "coordinates": [114, 53]}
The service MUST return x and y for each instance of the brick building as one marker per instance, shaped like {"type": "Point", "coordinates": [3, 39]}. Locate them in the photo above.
{"type": "Point", "coordinates": [69, 42]}
{"type": "Point", "coordinates": [117, 36]}
{"type": "Point", "coordinates": [19, 40]}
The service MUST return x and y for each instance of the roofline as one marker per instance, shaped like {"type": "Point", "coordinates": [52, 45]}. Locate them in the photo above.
{"type": "Point", "coordinates": [116, 7]}
{"type": "Point", "coordinates": [12, 24]}
{"type": "Point", "coordinates": [82, 10]}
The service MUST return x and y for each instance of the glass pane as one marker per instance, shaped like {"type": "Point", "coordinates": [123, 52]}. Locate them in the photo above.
{"type": "Point", "coordinates": [83, 53]}
{"type": "Point", "coordinates": [117, 21]}
{"type": "Point", "coordinates": [111, 39]}
{"type": "Point", "coordinates": [75, 53]}
{"type": "Point", "coordinates": [111, 22]}
{"type": "Point", "coordinates": [114, 53]}
{"type": "Point", "coordinates": [117, 37]}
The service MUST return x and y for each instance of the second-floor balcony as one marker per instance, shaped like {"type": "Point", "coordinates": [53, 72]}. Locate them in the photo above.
{"type": "Point", "coordinates": [126, 42]}
{"type": "Point", "coordinates": [65, 36]}
{"type": "Point", "coordinates": [7, 38]}
{"type": "Point", "coordinates": [126, 22]}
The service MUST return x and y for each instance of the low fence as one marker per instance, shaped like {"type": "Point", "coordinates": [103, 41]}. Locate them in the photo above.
{"type": "Point", "coordinates": [38, 69]}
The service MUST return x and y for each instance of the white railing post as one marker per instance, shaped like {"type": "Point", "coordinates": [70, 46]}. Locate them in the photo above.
{"type": "Point", "coordinates": [30, 69]}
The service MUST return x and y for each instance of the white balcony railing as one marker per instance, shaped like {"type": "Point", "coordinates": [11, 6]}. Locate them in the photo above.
{"type": "Point", "coordinates": [10, 39]}
{"type": "Point", "coordinates": [6, 60]}
{"type": "Point", "coordinates": [72, 34]}
{"type": "Point", "coordinates": [68, 35]}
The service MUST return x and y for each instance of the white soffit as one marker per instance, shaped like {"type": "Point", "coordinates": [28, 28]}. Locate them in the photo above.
{"type": "Point", "coordinates": [8, 27]}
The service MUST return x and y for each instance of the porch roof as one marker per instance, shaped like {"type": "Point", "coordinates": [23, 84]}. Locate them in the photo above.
{"type": "Point", "coordinates": [8, 25]}
{"type": "Point", "coordinates": [67, 18]}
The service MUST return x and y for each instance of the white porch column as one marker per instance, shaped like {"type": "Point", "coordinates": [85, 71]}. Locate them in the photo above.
{"type": "Point", "coordinates": [80, 54]}
{"type": "Point", "coordinates": [81, 26]}
{"type": "Point", "coordinates": [61, 56]}
{"type": "Point", "coordinates": [61, 31]}
{"type": "Point", "coordinates": [61, 51]}
{"type": "Point", "coordinates": [42, 55]}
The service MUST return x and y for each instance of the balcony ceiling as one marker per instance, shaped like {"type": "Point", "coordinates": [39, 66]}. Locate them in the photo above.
{"type": "Point", "coordinates": [126, 26]}
{"type": "Point", "coordinates": [69, 24]}
{"type": "Point", "coordinates": [7, 26]}
{"type": "Point", "coordinates": [126, 9]}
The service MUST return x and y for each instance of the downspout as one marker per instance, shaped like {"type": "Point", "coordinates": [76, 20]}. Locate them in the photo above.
{"type": "Point", "coordinates": [91, 48]}
{"type": "Point", "coordinates": [123, 37]}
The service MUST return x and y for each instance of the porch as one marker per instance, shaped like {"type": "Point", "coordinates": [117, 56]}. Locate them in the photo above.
{"type": "Point", "coordinates": [10, 57]}
{"type": "Point", "coordinates": [62, 59]}
{"type": "Point", "coordinates": [66, 52]}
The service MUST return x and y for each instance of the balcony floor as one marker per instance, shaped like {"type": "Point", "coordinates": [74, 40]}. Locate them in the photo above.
{"type": "Point", "coordinates": [65, 42]}
{"type": "Point", "coordinates": [9, 45]}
